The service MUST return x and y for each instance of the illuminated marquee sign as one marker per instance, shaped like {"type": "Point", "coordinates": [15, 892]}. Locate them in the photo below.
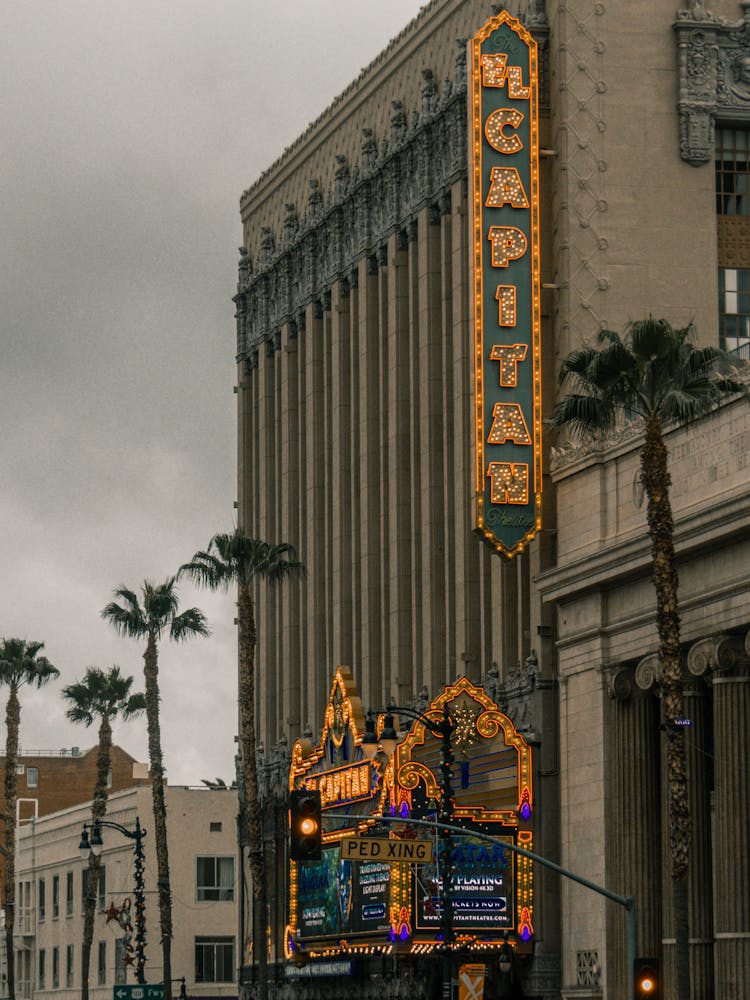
{"type": "Point", "coordinates": [378, 882]}
{"type": "Point", "coordinates": [505, 245]}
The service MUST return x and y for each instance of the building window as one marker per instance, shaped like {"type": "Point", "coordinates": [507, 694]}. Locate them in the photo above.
{"type": "Point", "coordinates": [121, 968]}
{"type": "Point", "coordinates": [55, 968]}
{"type": "Point", "coordinates": [69, 894]}
{"type": "Point", "coordinates": [734, 308]}
{"type": "Point", "coordinates": [69, 966]}
{"type": "Point", "coordinates": [42, 969]}
{"type": "Point", "coordinates": [55, 896]}
{"type": "Point", "coordinates": [214, 960]}
{"type": "Point", "coordinates": [102, 964]}
{"type": "Point", "coordinates": [215, 879]}
{"type": "Point", "coordinates": [109, 778]}
{"type": "Point", "coordinates": [42, 906]}
{"type": "Point", "coordinates": [32, 777]}
{"type": "Point", "coordinates": [733, 229]}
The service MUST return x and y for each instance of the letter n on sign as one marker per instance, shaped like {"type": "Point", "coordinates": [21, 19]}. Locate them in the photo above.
{"type": "Point", "coordinates": [505, 260]}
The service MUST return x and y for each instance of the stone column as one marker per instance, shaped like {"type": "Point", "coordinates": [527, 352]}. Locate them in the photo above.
{"type": "Point", "coordinates": [731, 691]}
{"type": "Point", "coordinates": [700, 896]}
{"type": "Point", "coordinates": [634, 842]}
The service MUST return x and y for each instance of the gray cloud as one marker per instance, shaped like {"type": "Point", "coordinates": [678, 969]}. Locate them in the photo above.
{"type": "Point", "coordinates": [129, 132]}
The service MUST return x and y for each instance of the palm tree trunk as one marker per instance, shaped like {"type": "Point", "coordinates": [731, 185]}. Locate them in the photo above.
{"type": "Point", "coordinates": [250, 798]}
{"type": "Point", "coordinates": [150, 660]}
{"type": "Point", "coordinates": [656, 482]}
{"type": "Point", "coordinates": [99, 808]}
{"type": "Point", "coordinates": [12, 722]}
{"type": "Point", "coordinates": [89, 912]}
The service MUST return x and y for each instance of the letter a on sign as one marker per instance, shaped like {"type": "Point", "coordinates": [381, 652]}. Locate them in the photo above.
{"type": "Point", "coordinates": [504, 169]}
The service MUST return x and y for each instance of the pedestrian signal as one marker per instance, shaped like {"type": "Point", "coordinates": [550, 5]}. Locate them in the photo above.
{"type": "Point", "coordinates": [305, 826]}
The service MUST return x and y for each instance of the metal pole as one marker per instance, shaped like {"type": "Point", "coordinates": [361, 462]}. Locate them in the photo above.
{"type": "Point", "coordinates": [632, 932]}
{"type": "Point", "coordinates": [140, 905]}
{"type": "Point", "coordinates": [446, 843]}
{"type": "Point", "coordinates": [627, 901]}
{"type": "Point", "coordinates": [140, 897]}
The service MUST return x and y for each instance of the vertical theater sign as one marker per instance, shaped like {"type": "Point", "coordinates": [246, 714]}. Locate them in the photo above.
{"type": "Point", "coordinates": [505, 255]}
{"type": "Point", "coordinates": [357, 902]}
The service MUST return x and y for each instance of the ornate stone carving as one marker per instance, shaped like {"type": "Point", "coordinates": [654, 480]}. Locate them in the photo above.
{"type": "Point", "coordinates": [648, 672]}
{"type": "Point", "coordinates": [714, 76]}
{"type": "Point", "coordinates": [718, 653]}
{"type": "Point", "coordinates": [371, 200]}
{"type": "Point", "coordinates": [620, 683]}
{"type": "Point", "coordinates": [369, 152]}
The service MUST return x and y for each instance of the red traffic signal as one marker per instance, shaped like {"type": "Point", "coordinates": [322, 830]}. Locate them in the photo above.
{"type": "Point", "coordinates": [305, 826]}
{"type": "Point", "coordinates": [647, 979]}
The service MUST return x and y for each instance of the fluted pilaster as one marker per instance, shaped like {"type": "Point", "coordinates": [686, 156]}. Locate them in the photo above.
{"type": "Point", "coordinates": [731, 712]}
{"type": "Point", "coordinates": [700, 903]}
{"type": "Point", "coordinates": [635, 785]}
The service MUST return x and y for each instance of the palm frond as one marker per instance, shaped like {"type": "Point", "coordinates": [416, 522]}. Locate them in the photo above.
{"type": "Point", "coordinates": [584, 416]}
{"type": "Point", "coordinates": [20, 663]}
{"type": "Point", "coordinates": [207, 570]}
{"type": "Point", "coordinates": [189, 623]}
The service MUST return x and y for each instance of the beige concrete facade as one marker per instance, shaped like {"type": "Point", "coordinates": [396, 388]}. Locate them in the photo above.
{"type": "Point", "coordinates": [355, 445]}
{"type": "Point", "coordinates": [49, 922]}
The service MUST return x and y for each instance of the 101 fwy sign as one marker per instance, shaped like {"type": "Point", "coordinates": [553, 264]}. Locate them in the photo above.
{"type": "Point", "coordinates": [382, 849]}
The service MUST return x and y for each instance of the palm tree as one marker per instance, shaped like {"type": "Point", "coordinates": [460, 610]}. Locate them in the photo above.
{"type": "Point", "coordinates": [150, 619]}
{"type": "Point", "coordinates": [102, 695]}
{"type": "Point", "coordinates": [20, 663]}
{"type": "Point", "coordinates": [237, 560]}
{"type": "Point", "coordinates": [656, 375]}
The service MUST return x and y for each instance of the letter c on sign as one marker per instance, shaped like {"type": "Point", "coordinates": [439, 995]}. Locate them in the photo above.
{"type": "Point", "coordinates": [494, 130]}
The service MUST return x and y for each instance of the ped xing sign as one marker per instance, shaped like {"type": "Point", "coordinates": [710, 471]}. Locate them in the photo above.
{"type": "Point", "coordinates": [383, 849]}
{"type": "Point", "coordinates": [506, 264]}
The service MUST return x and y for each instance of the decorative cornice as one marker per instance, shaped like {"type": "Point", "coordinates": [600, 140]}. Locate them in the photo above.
{"type": "Point", "coordinates": [714, 76]}
{"type": "Point", "coordinates": [376, 198]}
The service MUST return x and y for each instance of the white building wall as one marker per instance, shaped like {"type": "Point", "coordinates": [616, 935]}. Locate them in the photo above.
{"type": "Point", "coordinates": [201, 822]}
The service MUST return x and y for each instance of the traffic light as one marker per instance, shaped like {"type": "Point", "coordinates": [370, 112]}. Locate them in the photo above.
{"type": "Point", "coordinates": [306, 827]}
{"type": "Point", "coordinates": [646, 979]}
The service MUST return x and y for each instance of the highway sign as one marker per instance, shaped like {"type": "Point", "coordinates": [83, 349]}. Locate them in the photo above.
{"type": "Point", "coordinates": [384, 849]}
{"type": "Point", "coordinates": [138, 991]}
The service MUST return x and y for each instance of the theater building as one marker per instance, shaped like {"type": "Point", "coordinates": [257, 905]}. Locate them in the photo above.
{"type": "Point", "coordinates": [596, 156]}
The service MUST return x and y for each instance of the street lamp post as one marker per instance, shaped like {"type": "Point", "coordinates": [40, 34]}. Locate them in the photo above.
{"type": "Point", "coordinates": [442, 728]}
{"type": "Point", "coordinates": [93, 845]}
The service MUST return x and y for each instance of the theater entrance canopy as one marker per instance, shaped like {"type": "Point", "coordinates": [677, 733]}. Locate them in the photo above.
{"type": "Point", "coordinates": [343, 906]}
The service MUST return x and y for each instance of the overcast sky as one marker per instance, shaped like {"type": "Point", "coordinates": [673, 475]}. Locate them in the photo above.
{"type": "Point", "coordinates": [128, 132]}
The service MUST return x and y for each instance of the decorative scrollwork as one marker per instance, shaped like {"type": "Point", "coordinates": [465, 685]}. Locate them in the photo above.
{"type": "Point", "coordinates": [648, 672]}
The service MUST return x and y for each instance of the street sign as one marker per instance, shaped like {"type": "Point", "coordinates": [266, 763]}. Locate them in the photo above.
{"type": "Point", "coordinates": [138, 991]}
{"type": "Point", "coordinates": [383, 849]}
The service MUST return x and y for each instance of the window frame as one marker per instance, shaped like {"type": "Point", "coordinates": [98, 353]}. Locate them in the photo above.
{"type": "Point", "coordinates": [69, 966]}
{"type": "Point", "coordinates": [101, 964]}
{"type": "Point", "coordinates": [204, 947]}
{"type": "Point", "coordinates": [214, 892]}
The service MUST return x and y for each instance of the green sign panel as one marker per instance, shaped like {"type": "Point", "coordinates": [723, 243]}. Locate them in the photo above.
{"type": "Point", "coordinates": [138, 991]}
{"type": "Point", "coordinates": [505, 255]}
